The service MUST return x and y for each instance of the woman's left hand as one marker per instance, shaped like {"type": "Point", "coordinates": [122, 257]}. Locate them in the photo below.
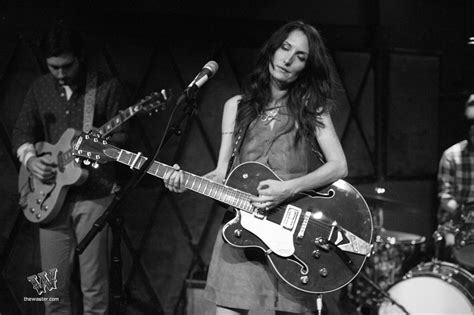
{"type": "Point", "coordinates": [271, 193]}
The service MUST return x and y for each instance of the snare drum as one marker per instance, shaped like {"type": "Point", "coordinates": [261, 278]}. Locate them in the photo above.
{"type": "Point", "coordinates": [433, 288]}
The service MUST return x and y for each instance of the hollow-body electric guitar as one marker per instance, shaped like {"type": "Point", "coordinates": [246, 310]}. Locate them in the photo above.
{"type": "Point", "coordinates": [42, 201]}
{"type": "Point", "coordinates": [316, 242]}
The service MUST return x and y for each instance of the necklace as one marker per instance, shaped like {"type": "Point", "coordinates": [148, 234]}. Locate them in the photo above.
{"type": "Point", "coordinates": [269, 114]}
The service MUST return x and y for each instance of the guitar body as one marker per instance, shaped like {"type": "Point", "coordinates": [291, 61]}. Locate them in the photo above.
{"type": "Point", "coordinates": [43, 201]}
{"type": "Point", "coordinates": [290, 244]}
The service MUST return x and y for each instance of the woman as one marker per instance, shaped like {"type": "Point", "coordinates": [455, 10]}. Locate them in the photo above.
{"type": "Point", "coordinates": [281, 117]}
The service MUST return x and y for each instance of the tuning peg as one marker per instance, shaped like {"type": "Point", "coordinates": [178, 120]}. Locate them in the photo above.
{"type": "Point", "coordinates": [77, 160]}
{"type": "Point", "coordinates": [95, 165]}
{"type": "Point", "coordinates": [163, 93]}
{"type": "Point", "coordinates": [86, 162]}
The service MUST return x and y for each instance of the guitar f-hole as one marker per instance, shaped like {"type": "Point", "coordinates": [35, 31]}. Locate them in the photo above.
{"type": "Point", "coordinates": [303, 267]}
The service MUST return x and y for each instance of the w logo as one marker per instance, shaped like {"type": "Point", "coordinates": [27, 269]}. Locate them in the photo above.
{"type": "Point", "coordinates": [44, 281]}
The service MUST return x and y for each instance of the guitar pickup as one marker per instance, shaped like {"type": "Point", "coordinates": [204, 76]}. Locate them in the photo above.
{"type": "Point", "coordinates": [291, 217]}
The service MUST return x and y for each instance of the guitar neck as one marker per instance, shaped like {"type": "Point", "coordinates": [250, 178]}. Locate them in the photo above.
{"type": "Point", "coordinates": [119, 119]}
{"type": "Point", "coordinates": [201, 185]}
{"type": "Point", "coordinates": [107, 128]}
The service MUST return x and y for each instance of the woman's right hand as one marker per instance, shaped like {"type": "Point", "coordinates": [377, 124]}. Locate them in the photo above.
{"type": "Point", "coordinates": [42, 167]}
{"type": "Point", "coordinates": [173, 179]}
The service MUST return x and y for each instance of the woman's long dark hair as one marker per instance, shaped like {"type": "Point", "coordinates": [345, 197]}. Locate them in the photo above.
{"type": "Point", "coordinates": [309, 95]}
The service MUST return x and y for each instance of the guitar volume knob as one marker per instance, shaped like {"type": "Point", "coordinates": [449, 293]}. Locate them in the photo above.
{"type": "Point", "coordinates": [304, 279]}
{"type": "Point", "coordinates": [238, 233]}
{"type": "Point", "coordinates": [323, 272]}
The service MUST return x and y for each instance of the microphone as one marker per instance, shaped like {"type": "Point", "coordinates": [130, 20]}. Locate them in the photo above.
{"type": "Point", "coordinates": [207, 72]}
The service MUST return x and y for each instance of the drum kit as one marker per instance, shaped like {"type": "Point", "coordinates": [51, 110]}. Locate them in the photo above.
{"type": "Point", "coordinates": [402, 277]}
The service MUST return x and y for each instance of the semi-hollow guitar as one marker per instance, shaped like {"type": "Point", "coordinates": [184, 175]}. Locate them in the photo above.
{"type": "Point", "coordinates": [42, 201]}
{"type": "Point", "coordinates": [316, 242]}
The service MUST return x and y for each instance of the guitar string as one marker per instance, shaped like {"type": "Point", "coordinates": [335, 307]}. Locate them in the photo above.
{"type": "Point", "coordinates": [232, 196]}
{"type": "Point", "coordinates": [325, 226]}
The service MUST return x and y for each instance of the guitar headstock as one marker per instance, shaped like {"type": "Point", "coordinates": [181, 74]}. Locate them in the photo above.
{"type": "Point", "coordinates": [153, 102]}
{"type": "Point", "coordinates": [90, 147]}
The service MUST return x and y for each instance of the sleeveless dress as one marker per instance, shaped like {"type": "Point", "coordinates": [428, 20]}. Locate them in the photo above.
{"type": "Point", "coordinates": [242, 278]}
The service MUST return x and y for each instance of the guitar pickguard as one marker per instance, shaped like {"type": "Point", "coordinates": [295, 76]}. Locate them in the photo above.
{"type": "Point", "coordinates": [278, 236]}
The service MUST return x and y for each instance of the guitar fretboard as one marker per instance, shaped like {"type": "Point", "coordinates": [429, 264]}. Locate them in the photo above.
{"type": "Point", "coordinates": [118, 119]}
{"type": "Point", "coordinates": [201, 185]}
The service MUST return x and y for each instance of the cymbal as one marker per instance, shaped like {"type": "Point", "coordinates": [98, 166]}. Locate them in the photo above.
{"type": "Point", "coordinates": [380, 198]}
{"type": "Point", "coordinates": [400, 237]}
{"type": "Point", "coordinates": [387, 203]}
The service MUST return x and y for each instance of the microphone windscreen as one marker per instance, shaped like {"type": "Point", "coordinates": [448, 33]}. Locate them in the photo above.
{"type": "Point", "coordinates": [212, 66]}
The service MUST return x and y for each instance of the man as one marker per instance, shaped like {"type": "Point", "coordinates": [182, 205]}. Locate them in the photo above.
{"type": "Point", "coordinates": [55, 102]}
{"type": "Point", "coordinates": [456, 177]}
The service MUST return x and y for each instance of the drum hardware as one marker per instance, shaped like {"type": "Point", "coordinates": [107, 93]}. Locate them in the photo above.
{"type": "Point", "coordinates": [454, 239]}
{"type": "Point", "coordinates": [438, 239]}
{"type": "Point", "coordinates": [382, 292]}
{"type": "Point", "coordinates": [394, 253]}
{"type": "Point", "coordinates": [463, 251]}
{"type": "Point", "coordinates": [434, 287]}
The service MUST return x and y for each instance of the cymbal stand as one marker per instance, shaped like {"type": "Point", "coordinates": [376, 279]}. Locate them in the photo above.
{"type": "Point", "coordinates": [438, 240]}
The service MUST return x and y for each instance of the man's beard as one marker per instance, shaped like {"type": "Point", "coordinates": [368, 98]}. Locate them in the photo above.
{"type": "Point", "coordinates": [65, 81]}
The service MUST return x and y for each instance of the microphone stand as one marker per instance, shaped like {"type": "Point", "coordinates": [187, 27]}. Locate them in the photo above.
{"type": "Point", "coordinates": [118, 305]}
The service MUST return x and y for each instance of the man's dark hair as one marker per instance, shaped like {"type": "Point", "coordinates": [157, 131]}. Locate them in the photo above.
{"type": "Point", "coordinates": [62, 39]}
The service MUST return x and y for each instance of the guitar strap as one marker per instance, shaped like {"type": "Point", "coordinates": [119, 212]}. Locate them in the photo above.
{"type": "Point", "coordinates": [238, 140]}
{"type": "Point", "coordinates": [89, 101]}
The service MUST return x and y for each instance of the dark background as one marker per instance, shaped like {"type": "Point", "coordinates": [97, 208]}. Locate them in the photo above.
{"type": "Point", "coordinates": [404, 68]}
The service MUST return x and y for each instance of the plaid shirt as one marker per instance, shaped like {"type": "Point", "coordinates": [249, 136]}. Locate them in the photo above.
{"type": "Point", "coordinates": [456, 174]}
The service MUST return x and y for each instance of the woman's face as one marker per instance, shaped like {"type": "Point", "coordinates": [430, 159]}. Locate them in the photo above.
{"type": "Point", "coordinates": [290, 58]}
